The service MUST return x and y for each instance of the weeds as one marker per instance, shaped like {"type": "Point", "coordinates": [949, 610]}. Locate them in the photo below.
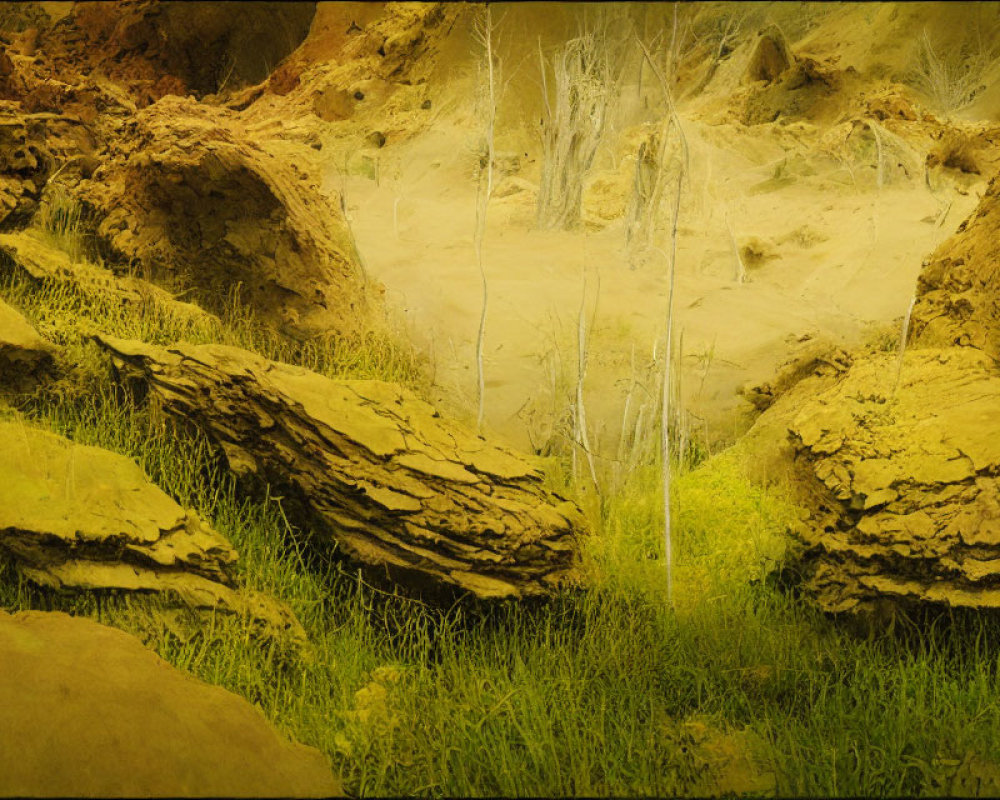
{"type": "Point", "coordinates": [953, 79]}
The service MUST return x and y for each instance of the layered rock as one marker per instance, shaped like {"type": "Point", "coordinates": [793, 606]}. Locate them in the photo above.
{"type": "Point", "coordinates": [188, 198]}
{"type": "Point", "coordinates": [79, 518]}
{"type": "Point", "coordinates": [958, 293]}
{"type": "Point", "coordinates": [369, 466]}
{"type": "Point", "coordinates": [26, 359]}
{"type": "Point", "coordinates": [896, 460]}
{"type": "Point", "coordinates": [902, 488]}
{"type": "Point", "coordinates": [89, 712]}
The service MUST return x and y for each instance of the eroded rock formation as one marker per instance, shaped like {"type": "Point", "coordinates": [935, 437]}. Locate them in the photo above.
{"type": "Point", "coordinates": [896, 461]}
{"type": "Point", "coordinates": [77, 518]}
{"type": "Point", "coordinates": [902, 487]}
{"type": "Point", "coordinates": [26, 359]}
{"type": "Point", "coordinates": [958, 294]}
{"type": "Point", "coordinates": [89, 712]}
{"type": "Point", "coordinates": [154, 48]}
{"type": "Point", "coordinates": [190, 199]}
{"type": "Point", "coordinates": [373, 468]}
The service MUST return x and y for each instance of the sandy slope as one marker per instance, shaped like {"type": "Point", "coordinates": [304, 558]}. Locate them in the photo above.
{"type": "Point", "coordinates": [837, 255]}
{"type": "Point", "coordinates": [836, 260]}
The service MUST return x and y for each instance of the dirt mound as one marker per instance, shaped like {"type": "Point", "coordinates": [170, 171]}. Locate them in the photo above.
{"type": "Point", "coordinates": [191, 199]}
{"type": "Point", "coordinates": [958, 294]}
{"type": "Point", "coordinates": [89, 712]}
{"type": "Point", "coordinates": [804, 89]}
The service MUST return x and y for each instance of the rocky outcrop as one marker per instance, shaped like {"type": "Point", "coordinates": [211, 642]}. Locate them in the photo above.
{"type": "Point", "coordinates": [26, 359]}
{"type": "Point", "coordinates": [78, 518]}
{"type": "Point", "coordinates": [89, 712]}
{"type": "Point", "coordinates": [958, 293]}
{"type": "Point", "coordinates": [154, 48]}
{"type": "Point", "coordinates": [374, 469]}
{"type": "Point", "coordinates": [189, 199]}
{"type": "Point", "coordinates": [902, 489]}
{"type": "Point", "coordinates": [896, 460]}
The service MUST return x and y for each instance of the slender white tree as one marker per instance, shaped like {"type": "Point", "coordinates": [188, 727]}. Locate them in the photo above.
{"type": "Point", "coordinates": [671, 260]}
{"type": "Point", "coordinates": [485, 35]}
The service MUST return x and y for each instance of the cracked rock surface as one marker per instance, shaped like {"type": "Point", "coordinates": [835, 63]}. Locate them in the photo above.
{"type": "Point", "coordinates": [80, 518]}
{"type": "Point", "coordinates": [373, 468]}
{"type": "Point", "coordinates": [896, 462]}
{"type": "Point", "coordinates": [902, 489]}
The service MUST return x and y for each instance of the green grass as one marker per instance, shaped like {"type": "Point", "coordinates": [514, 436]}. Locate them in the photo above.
{"type": "Point", "coordinates": [608, 692]}
{"type": "Point", "coordinates": [68, 315]}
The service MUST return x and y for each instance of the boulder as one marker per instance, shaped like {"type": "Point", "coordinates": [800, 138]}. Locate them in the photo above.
{"type": "Point", "coordinates": [895, 459]}
{"type": "Point", "coordinates": [189, 198]}
{"type": "Point", "coordinates": [89, 712]}
{"type": "Point", "coordinates": [26, 359]}
{"type": "Point", "coordinates": [78, 518]}
{"type": "Point", "coordinates": [373, 468]}
{"type": "Point", "coordinates": [901, 488]}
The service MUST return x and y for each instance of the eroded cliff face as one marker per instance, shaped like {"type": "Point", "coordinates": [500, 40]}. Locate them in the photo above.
{"type": "Point", "coordinates": [101, 112]}
{"type": "Point", "coordinates": [153, 48]}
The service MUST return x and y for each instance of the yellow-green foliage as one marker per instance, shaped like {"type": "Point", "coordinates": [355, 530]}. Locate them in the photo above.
{"type": "Point", "coordinates": [728, 531]}
{"type": "Point", "coordinates": [68, 314]}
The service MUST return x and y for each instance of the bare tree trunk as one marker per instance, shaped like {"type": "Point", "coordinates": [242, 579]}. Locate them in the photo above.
{"type": "Point", "coordinates": [582, 438]}
{"type": "Point", "coordinates": [672, 266]}
{"type": "Point", "coordinates": [665, 413]}
{"type": "Point", "coordinates": [481, 207]}
{"type": "Point", "coordinates": [586, 73]}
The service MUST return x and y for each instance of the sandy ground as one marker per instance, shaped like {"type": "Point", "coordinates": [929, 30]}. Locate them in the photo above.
{"type": "Point", "coordinates": [840, 257]}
